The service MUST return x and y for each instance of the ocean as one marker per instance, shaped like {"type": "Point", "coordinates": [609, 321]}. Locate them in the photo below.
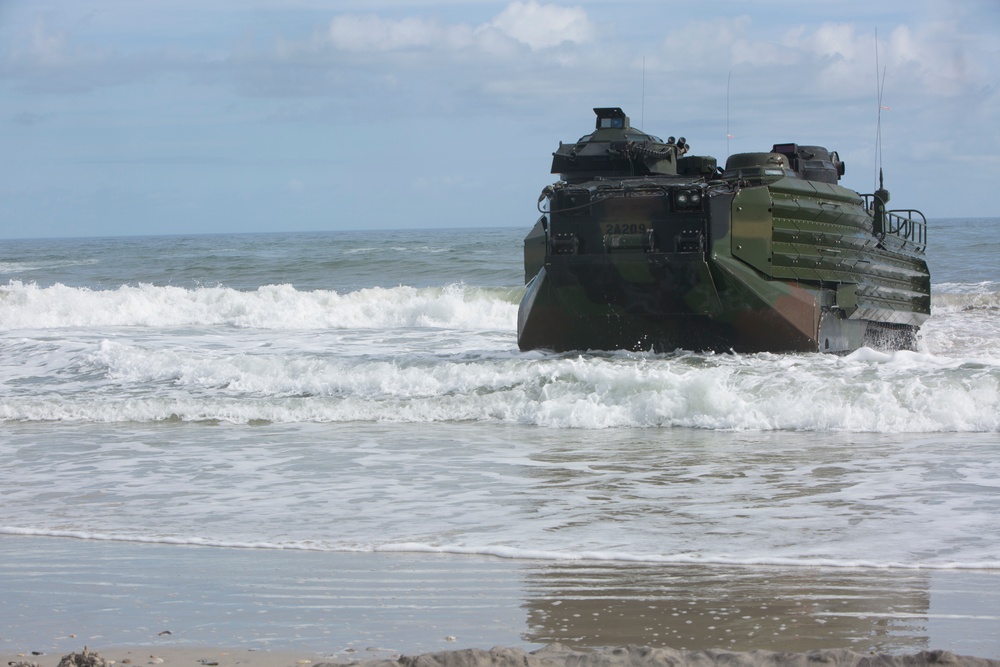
{"type": "Point", "coordinates": [322, 396]}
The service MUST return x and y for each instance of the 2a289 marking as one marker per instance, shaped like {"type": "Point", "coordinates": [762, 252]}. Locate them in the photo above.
{"type": "Point", "coordinates": [624, 229]}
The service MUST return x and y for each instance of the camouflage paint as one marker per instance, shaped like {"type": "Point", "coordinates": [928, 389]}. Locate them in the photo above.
{"type": "Point", "coordinates": [757, 258]}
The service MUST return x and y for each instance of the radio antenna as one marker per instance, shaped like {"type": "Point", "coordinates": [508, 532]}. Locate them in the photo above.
{"type": "Point", "coordinates": [642, 117]}
{"type": "Point", "coordinates": [729, 136]}
{"type": "Point", "coordinates": [879, 88]}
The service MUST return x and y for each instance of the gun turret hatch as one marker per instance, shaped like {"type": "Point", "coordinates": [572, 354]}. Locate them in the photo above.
{"type": "Point", "coordinates": [611, 118]}
{"type": "Point", "coordinates": [615, 150]}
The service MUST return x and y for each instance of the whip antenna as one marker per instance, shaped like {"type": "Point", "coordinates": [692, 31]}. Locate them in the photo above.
{"type": "Point", "coordinates": [642, 116]}
{"type": "Point", "coordinates": [879, 88]}
{"type": "Point", "coordinates": [729, 136]}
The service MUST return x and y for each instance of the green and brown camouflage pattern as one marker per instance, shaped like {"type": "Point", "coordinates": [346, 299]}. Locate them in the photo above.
{"type": "Point", "coordinates": [641, 247]}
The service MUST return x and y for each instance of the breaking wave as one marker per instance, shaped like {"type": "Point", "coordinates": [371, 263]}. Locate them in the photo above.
{"type": "Point", "coordinates": [27, 306]}
{"type": "Point", "coordinates": [866, 391]}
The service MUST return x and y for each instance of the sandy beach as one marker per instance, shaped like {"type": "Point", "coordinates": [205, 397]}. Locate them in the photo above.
{"type": "Point", "coordinates": [141, 603]}
{"type": "Point", "coordinates": [554, 655]}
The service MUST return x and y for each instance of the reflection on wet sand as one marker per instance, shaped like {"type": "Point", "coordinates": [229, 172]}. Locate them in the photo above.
{"type": "Point", "coordinates": [63, 594]}
{"type": "Point", "coordinates": [737, 608]}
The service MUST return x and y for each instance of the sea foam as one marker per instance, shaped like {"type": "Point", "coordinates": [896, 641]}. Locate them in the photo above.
{"type": "Point", "coordinates": [867, 391]}
{"type": "Point", "coordinates": [514, 553]}
{"type": "Point", "coordinates": [27, 306]}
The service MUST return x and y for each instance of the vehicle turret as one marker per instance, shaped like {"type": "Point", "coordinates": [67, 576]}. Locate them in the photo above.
{"type": "Point", "coordinates": [616, 149]}
{"type": "Point", "coordinates": [813, 163]}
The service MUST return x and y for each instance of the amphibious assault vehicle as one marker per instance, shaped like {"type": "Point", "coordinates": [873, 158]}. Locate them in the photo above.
{"type": "Point", "coordinates": [641, 246]}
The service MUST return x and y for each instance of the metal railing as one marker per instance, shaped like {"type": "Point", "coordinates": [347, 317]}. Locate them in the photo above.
{"type": "Point", "coordinates": [909, 225]}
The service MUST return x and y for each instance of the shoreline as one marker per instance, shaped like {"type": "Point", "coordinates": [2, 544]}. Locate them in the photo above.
{"type": "Point", "coordinates": [61, 595]}
{"type": "Point", "coordinates": [552, 655]}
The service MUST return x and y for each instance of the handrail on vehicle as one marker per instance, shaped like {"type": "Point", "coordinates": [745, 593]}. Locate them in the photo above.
{"type": "Point", "coordinates": [909, 225]}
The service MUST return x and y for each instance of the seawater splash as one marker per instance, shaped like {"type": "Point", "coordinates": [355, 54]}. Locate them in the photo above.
{"type": "Point", "coordinates": [447, 354]}
{"type": "Point", "coordinates": [965, 321]}
{"type": "Point", "coordinates": [867, 391]}
{"type": "Point", "coordinates": [27, 306]}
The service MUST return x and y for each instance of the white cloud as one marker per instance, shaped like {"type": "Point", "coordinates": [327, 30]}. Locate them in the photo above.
{"type": "Point", "coordinates": [45, 48]}
{"type": "Point", "coordinates": [544, 26]}
{"type": "Point", "coordinates": [45, 57]}
{"type": "Point", "coordinates": [833, 58]}
{"type": "Point", "coordinates": [938, 56]}
{"type": "Point", "coordinates": [933, 59]}
{"type": "Point", "coordinates": [374, 33]}
{"type": "Point", "coordinates": [717, 43]}
{"type": "Point", "coordinates": [535, 25]}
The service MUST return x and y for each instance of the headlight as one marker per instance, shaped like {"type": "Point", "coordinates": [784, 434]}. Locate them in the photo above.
{"type": "Point", "coordinates": [687, 199]}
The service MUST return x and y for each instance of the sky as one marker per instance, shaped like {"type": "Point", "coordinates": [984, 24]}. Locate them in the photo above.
{"type": "Point", "coordinates": [135, 117]}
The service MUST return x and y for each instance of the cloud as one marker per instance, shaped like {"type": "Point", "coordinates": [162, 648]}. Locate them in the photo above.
{"type": "Point", "coordinates": [420, 63]}
{"type": "Point", "coordinates": [374, 33]}
{"type": "Point", "coordinates": [530, 23]}
{"type": "Point", "coordinates": [836, 59]}
{"type": "Point", "coordinates": [716, 43]}
{"type": "Point", "coordinates": [940, 58]}
{"type": "Point", "coordinates": [522, 53]}
{"type": "Point", "coordinates": [45, 59]}
{"type": "Point", "coordinates": [45, 48]}
{"type": "Point", "coordinates": [544, 26]}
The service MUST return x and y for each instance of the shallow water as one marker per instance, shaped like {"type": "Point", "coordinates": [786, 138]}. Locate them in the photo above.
{"type": "Point", "coordinates": [62, 594]}
{"type": "Point", "coordinates": [673, 495]}
{"type": "Point", "coordinates": [363, 393]}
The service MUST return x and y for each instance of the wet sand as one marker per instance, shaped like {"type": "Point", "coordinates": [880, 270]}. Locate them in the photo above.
{"type": "Point", "coordinates": [269, 608]}
{"type": "Point", "coordinates": [554, 655]}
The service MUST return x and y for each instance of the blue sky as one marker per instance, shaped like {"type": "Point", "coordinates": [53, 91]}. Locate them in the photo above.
{"type": "Point", "coordinates": [123, 117]}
